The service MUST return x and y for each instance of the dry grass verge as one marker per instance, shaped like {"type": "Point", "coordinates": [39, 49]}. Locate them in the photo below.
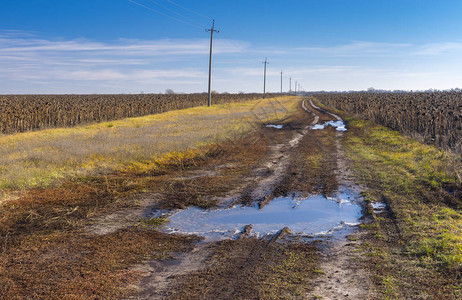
{"type": "Point", "coordinates": [41, 159]}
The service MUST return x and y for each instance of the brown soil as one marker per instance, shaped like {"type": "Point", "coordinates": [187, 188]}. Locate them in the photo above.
{"type": "Point", "coordinates": [312, 163]}
{"type": "Point", "coordinates": [73, 265]}
{"type": "Point", "coordinates": [343, 270]}
{"type": "Point", "coordinates": [250, 269]}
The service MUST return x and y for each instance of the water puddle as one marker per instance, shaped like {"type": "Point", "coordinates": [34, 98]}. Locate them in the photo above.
{"type": "Point", "coordinates": [378, 207]}
{"type": "Point", "coordinates": [338, 125]}
{"type": "Point", "coordinates": [312, 216]}
{"type": "Point", "coordinates": [275, 126]}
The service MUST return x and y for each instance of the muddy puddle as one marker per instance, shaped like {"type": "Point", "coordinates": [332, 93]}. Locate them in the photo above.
{"type": "Point", "coordinates": [338, 125]}
{"type": "Point", "coordinates": [313, 216]}
{"type": "Point", "coordinates": [275, 126]}
{"type": "Point", "coordinates": [379, 207]}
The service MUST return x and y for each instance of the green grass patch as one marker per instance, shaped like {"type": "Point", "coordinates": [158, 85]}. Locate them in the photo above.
{"type": "Point", "coordinates": [152, 222]}
{"type": "Point", "coordinates": [416, 249]}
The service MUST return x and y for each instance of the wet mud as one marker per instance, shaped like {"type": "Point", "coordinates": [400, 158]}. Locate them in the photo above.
{"type": "Point", "coordinates": [284, 216]}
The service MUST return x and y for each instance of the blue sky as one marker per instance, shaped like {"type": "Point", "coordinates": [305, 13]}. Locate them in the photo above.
{"type": "Point", "coordinates": [129, 46]}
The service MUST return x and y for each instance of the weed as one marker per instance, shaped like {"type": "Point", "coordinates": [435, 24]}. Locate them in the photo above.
{"type": "Point", "coordinates": [352, 238]}
{"type": "Point", "coordinates": [151, 222]}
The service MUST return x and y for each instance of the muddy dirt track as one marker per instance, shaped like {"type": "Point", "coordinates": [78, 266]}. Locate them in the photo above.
{"type": "Point", "coordinates": [292, 159]}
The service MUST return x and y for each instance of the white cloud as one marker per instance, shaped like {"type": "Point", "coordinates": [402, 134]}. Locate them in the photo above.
{"type": "Point", "coordinates": [438, 48]}
{"type": "Point", "coordinates": [29, 64]}
{"type": "Point", "coordinates": [23, 58]}
{"type": "Point", "coordinates": [123, 47]}
{"type": "Point", "coordinates": [359, 48]}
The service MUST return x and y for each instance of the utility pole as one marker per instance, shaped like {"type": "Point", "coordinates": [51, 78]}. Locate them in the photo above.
{"type": "Point", "coordinates": [295, 87]}
{"type": "Point", "coordinates": [211, 30]}
{"type": "Point", "coordinates": [290, 85]}
{"type": "Point", "coordinates": [264, 78]}
{"type": "Point", "coordinates": [281, 81]}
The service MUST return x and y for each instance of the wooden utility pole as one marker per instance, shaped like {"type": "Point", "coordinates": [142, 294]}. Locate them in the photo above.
{"type": "Point", "coordinates": [209, 102]}
{"type": "Point", "coordinates": [281, 81]}
{"type": "Point", "coordinates": [264, 78]}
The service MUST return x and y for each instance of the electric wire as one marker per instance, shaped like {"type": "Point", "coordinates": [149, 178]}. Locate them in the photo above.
{"type": "Point", "coordinates": [178, 14]}
{"type": "Point", "coordinates": [163, 14]}
{"type": "Point", "coordinates": [190, 10]}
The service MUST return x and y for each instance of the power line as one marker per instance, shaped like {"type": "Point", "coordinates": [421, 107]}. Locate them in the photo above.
{"type": "Point", "coordinates": [165, 15]}
{"type": "Point", "coordinates": [178, 14]}
{"type": "Point", "coordinates": [190, 10]}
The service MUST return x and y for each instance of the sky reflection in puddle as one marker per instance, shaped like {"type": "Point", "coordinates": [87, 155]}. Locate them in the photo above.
{"type": "Point", "coordinates": [275, 126]}
{"type": "Point", "coordinates": [314, 215]}
{"type": "Point", "coordinates": [339, 125]}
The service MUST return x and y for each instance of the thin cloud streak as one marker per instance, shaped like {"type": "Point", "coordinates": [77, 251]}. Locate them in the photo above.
{"type": "Point", "coordinates": [439, 48]}
{"type": "Point", "coordinates": [122, 47]}
{"type": "Point", "coordinates": [358, 49]}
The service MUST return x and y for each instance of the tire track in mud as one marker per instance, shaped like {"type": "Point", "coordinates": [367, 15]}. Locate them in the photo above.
{"type": "Point", "coordinates": [338, 278]}
{"type": "Point", "coordinates": [342, 276]}
{"type": "Point", "coordinates": [158, 276]}
{"type": "Point", "coordinates": [278, 164]}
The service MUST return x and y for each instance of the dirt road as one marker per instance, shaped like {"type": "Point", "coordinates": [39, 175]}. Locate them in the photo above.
{"type": "Point", "coordinates": [296, 158]}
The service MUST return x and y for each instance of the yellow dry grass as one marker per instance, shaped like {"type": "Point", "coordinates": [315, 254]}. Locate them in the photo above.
{"type": "Point", "coordinates": [39, 159]}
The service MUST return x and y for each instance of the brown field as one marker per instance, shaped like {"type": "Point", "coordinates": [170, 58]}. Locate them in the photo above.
{"type": "Point", "coordinates": [20, 113]}
{"type": "Point", "coordinates": [434, 118]}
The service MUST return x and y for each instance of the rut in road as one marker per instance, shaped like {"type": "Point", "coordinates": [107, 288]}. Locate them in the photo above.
{"type": "Point", "coordinates": [342, 276]}
{"type": "Point", "coordinates": [282, 172]}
